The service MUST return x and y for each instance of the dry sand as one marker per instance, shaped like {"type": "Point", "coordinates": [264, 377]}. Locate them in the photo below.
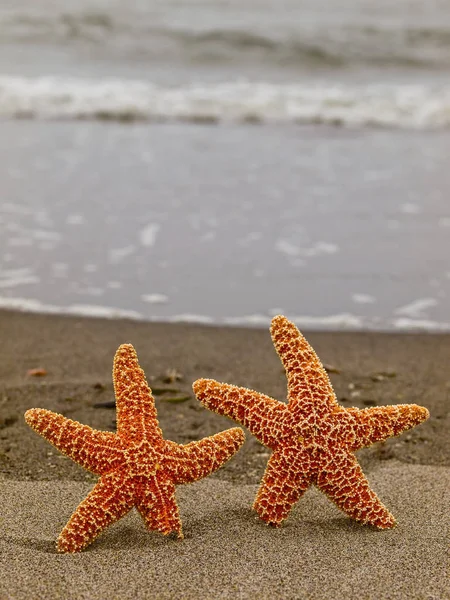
{"type": "Point", "coordinates": [227, 552]}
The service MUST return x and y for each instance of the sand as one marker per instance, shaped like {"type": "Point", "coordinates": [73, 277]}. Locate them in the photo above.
{"type": "Point", "coordinates": [227, 552]}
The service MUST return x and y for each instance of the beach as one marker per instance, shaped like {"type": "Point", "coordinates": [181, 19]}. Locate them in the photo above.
{"type": "Point", "coordinates": [173, 175]}
{"type": "Point", "coordinates": [227, 552]}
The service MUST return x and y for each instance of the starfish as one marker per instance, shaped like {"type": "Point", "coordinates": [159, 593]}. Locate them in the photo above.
{"type": "Point", "coordinates": [137, 467]}
{"type": "Point", "coordinates": [312, 437]}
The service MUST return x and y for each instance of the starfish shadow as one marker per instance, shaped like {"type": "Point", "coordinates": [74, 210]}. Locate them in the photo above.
{"type": "Point", "coordinates": [44, 546]}
{"type": "Point", "coordinates": [128, 537]}
{"type": "Point", "coordinates": [119, 538]}
{"type": "Point", "coordinates": [329, 527]}
{"type": "Point", "coordinates": [342, 524]}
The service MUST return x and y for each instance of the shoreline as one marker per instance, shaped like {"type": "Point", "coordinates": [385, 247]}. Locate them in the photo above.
{"type": "Point", "coordinates": [331, 323]}
{"type": "Point", "coordinates": [227, 553]}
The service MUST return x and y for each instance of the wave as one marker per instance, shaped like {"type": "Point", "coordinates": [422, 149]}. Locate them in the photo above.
{"type": "Point", "coordinates": [135, 33]}
{"type": "Point", "coordinates": [343, 46]}
{"type": "Point", "coordinates": [396, 105]}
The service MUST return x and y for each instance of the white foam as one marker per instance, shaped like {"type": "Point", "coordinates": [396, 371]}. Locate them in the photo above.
{"type": "Point", "coordinates": [419, 324]}
{"type": "Point", "coordinates": [363, 299]}
{"type": "Point", "coordinates": [252, 236]}
{"type": "Point", "coordinates": [444, 222]}
{"type": "Point", "coordinates": [292, 250]}
{"type": "Point", "coordinates": [288, 248]}
{"type": "Point", "coordinates": [116, 255]}
{"type": "Point", "coordinates": [415, 310]}
{"type": "Point", "coordinates": [75, 220]}
{"type": "Point", "coordinates": [321, 248]}
{"type": "Point", "coordinates": [209, 236]}
{"type": "Point", "coordinates": [188, 318]}
{"type": "Point", "coordinates": [10, 278]}
{"type": "Point", "coordinates": [29, 305]}
{"type": "Point", "coordinates": [252, 320]}
{"type": "Point", "coordinates": [46, 236]}
{"type": "Point", "coordinates": [94, 310]}
{"type": "Point", "coordinates": [388, 105]}
{"type": "Point", "coordinates": [340, 321]}
{"type": "Point", "coordinates": [15, 281]}
{"type": "Point", "coordinates": [86, 310]}
{"type": "Point", "coordinates": [410, 209]}
{"type": "Point", "coordinates": [155, 298]}
{"type": "Point", "coordinates": [148, 234]}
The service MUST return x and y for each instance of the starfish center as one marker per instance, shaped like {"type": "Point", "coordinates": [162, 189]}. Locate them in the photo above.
{"type": "Point", "coordinates": [143, 460]}
{"type": "Point", "coordinates": [305, 435]}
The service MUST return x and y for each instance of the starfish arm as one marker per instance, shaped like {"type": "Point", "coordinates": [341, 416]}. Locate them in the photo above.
{"type": "Point", "coordinates": [342, 480]}
{"type": "Point", "coordinates": [157, 505]}
{"type": "Point", "coordinates": [96, 451]}
{"type": "Point", "coordinates": [381, 422]}
{"type": "Point", "coordinates": [259, 413]}
{"type": "Point", "coordinates": [201, 458]}
{"type": "Point", "coordinates": [136, 412]}
{"type": "Point", "coordinates": [110, 499]}
{"type": "Point", "coordinates": [304, 371]}
{"type": "Point", "coordinates": [285, 480]}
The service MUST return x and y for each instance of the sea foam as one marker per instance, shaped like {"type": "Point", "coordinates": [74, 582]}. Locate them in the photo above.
{"type": "Point", "coordinates": [389, 105]}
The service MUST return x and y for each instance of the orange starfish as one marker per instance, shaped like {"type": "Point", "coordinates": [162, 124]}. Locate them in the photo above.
{"type": "Point", "coordinates": [137, 467]}
{"type": "Point", "coordinates": [313, 438]}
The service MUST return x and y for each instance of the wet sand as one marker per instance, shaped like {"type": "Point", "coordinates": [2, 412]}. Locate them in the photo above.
{"type": "Point", "coordinates": [227, 553]}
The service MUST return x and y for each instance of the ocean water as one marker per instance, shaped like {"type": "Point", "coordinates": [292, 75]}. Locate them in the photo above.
{"type": "Point", "coordinates": [222, 161]}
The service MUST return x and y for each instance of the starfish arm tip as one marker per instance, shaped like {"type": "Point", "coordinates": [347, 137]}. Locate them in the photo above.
{"type": "Point", "coordinates": [200, 385]}
{"type": "Point", "coordinates": [236, 438]}
{"type": "Point", "coordinates": [39, 418]}
{"type": "Point", "coordinates": [238, 435]}
{"type": "Point", "coordinates": [278, 324]}
{"type": "Point", "coordinates": [378, 423]}
{"type": "Point", "coordinates": [422, 412]}
{"type": "Point", "coordinates": [67, 544]}
{"type": "Point", "coordinates": [208, 392]}
{"type": "Point", "coordinates": [416, 413]}
{"type": "Point", "coordinates": [125, 351]}
{"type": "Point", "coordinates": [389, 522]}
{"type": "Point", "coordinates": [32, 415]}
{"type": "Point", "coordinates": [278, 319]}
{"type": "Point", "coordinates": [61, 548]}
{"type": "Point", "coordinates": [135, 404]}
{"type": "Point", "coordinates": [93, 450]}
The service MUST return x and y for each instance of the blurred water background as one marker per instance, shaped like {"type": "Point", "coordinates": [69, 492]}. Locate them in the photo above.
{"type": "Point", "coordinates": [221, 161]}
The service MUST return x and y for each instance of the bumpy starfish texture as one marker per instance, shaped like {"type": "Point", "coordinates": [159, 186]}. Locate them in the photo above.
{"type": "Point", "coordinates": [137, 467]}
{"type": "Point", "coordinates": [313, 438]}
